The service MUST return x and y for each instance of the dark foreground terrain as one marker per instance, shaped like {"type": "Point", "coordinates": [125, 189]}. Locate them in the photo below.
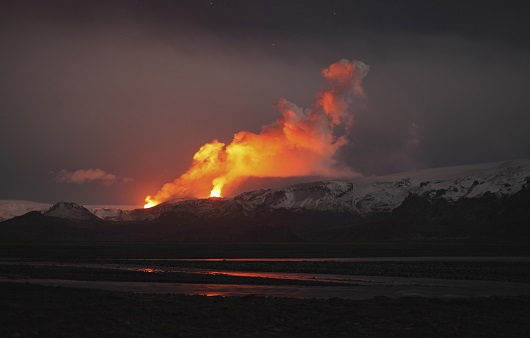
{"type": "Point", "coordinates": [43, 311]}
{"type": "Point", "coordinates": [28, 309]}
{"type": "Point", "coordinates": [87, 251]}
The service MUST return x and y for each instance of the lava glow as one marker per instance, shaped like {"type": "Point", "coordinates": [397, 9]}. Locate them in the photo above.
{"type": "Point", "coordinates": [149, 204]}
{"type": "Point", "coordinates": [301, 142]}
{"type": "Point", "coordinates": [216, 192]}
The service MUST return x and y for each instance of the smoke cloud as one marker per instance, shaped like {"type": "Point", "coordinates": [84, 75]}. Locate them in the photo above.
{"type": "Point", "coordinates": [301, 142]}
{"type": "Point", "coordinates": [89, 175]}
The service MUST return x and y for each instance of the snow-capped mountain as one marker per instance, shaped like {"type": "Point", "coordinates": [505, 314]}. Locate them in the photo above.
{"type": "Point", "coordinates": [359, 196]}
{"type": "Point", "coordinates": [366, 195]}
{"type": "Point", "coordinates": [478, 201]}
{"type": "Point", "coordinates": [384, 193]}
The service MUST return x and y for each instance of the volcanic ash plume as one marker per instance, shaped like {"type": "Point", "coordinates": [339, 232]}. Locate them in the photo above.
{"type": "Point", "coordinates": [301, 142]}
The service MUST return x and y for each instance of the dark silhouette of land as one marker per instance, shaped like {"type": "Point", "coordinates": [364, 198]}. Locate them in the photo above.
{"type": "Point", "coordinates": [43, 311]}
{"type": "Point", "coordinates": [30, 310]}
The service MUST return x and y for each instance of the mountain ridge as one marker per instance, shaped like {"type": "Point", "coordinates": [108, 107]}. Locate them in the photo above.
{"type": "Point", "coordinates": [369, 195]}
{"type": "Point", "coordinates": [467, 201]}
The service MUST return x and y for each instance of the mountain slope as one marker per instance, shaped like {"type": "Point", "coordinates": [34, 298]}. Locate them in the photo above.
{"type": "Point", "coordinates": [13, 208]}
{"type": "Point", "coordinates": [370, 195]}
{"type": "Point", "coordinates": [70, 211]}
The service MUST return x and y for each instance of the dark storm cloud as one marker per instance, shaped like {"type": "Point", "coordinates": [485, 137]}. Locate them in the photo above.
{"type": "Point", "coordinates": [136, 87]}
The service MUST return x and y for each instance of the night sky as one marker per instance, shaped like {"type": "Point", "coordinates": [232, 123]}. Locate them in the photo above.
{"type": "Point", "coordinates": [132, 89]}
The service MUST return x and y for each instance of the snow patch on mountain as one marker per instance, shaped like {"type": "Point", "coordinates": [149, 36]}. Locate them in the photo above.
{"type": "Point", "coordinates": [367, 195]}
{"type": "Point", "coordinates": [112, 212]}
{"type": "Point", "coordinates": [70, 211]}
{"type": "Point", "coordinates": [13, 208]}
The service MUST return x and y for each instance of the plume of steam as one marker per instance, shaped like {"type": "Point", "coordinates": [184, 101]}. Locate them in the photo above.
{"type": "Point", "coordinates": [89, 175]}
{"type": "Point", "coordinates": [301, 142]}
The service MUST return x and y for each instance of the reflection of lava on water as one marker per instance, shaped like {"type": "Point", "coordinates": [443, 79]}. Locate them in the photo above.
{"type": "Point", "coordinates": [149, 270]}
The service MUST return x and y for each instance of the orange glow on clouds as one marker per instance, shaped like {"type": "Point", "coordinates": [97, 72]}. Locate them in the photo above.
{"type": "Point", "coordinates": [301, 142]}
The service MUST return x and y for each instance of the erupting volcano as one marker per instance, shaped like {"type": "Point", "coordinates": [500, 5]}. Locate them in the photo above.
{"type": "Point", "coordinates": [302, 142]}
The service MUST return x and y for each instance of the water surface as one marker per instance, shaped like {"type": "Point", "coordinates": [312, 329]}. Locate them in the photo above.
{"type": "Point", "coordinates": [464, 289]}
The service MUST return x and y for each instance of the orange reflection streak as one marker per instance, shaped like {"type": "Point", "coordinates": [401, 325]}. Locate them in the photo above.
{"type": "Point", "coordinates": [301, 142]}
{"type": "Point", "coordinates": [213, 294]}
{"type": "Point", "coordinates": [149, 270]}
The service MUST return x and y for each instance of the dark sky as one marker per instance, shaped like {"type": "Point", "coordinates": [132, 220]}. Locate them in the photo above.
{"type": "Point", "coordinates": [134, 88]}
